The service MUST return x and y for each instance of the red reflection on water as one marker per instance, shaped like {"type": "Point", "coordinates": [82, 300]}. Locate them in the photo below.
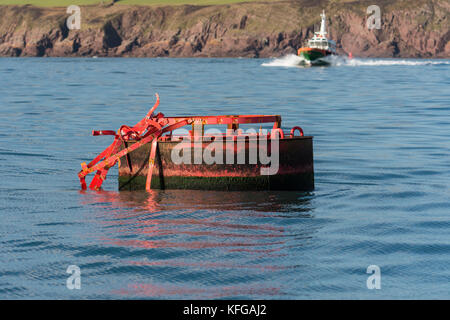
{"type": "Point", "coordinates": [190, 245]}
{"type": "Point", "coordinates": [221, 224]}
{"type": "Point", "coordinates": [189, 223]}
{"type": "Point", "coordinates": [175, 263]}
{"type": "Point", "coordinates": [144, 216]}
{"type": "Point", "coordinates": [117, 200]}
{"type": "Point", "coordinates": [153, 290]}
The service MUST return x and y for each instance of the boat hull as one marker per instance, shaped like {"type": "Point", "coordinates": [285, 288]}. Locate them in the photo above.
{"type": "Point", "coordinates": [314, 56]}
{"type": "Point", "coordinates": [295, 171]}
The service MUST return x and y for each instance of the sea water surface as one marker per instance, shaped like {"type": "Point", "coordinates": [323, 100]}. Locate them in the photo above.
{"type": "Point", "coordinates": [382, 166]}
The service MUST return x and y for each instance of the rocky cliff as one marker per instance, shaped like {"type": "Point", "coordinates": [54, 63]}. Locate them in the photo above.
{"type": "Point", "coordinates": [413, 28]}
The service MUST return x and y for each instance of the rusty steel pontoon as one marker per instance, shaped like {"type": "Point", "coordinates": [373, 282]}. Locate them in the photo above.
{"type": "Point", "coordinates": [145, 155]}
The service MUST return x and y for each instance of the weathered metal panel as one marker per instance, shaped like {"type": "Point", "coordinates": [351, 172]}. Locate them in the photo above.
{"type": "Point", "coordinates": [296, 170]}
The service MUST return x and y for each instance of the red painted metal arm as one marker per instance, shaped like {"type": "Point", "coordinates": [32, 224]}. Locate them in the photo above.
{"type": "Point", "coordinates": [142, 125]}
{"type": "Point", "coordinates": [111, 160]}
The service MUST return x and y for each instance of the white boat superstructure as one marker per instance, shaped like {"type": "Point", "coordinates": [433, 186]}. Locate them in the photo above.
{"type": "Point", "coordinates": [320, 40]}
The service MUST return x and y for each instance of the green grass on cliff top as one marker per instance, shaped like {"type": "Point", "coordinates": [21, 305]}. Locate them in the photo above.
{"type": "Point", "coordinates": [65, 3]}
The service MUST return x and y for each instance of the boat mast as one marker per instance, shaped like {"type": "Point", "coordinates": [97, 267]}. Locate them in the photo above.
{"type": "Point", "coordinates": [323, 30]}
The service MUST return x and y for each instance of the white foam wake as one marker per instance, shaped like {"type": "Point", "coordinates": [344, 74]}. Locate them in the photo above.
{"type": "Point", "coordinates": [292, 60]}
{"type": "Point", "coordinates": [388, 62]}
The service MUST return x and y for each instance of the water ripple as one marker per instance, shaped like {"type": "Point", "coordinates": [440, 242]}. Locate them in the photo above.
{"type": "Point", "coordinates": [381, 172]}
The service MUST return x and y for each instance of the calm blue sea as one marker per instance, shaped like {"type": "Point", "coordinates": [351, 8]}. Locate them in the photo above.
{"type": "Point", "coordinates": [382, 168]}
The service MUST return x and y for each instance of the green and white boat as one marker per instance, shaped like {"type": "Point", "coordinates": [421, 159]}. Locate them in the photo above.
{"type": "Point", "coordinates": [318, 47]}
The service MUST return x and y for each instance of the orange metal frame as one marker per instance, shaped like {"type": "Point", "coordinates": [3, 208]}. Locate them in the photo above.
{"type": "Point", "coordinates": [150, 129]}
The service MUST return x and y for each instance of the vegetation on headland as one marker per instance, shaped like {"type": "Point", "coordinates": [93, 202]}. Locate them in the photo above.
{"type": "Point", "coordinates": [65, 3]}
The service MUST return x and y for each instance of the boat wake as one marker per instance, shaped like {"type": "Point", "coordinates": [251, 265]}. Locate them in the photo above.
{"type": "Point", "coordinates": [290, 60]}
{"type": "Point", "coordinates": [293, 60]}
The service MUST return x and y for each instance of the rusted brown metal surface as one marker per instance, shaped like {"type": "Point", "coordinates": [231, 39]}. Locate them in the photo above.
{"type": "Point", "coordinates": [295, 171]}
